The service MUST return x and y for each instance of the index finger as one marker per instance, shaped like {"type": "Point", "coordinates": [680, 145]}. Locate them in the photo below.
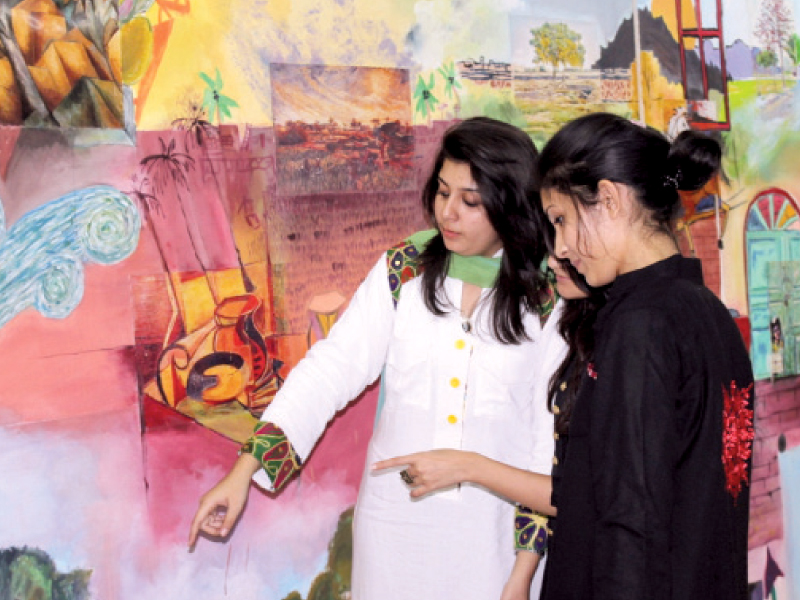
{"type": "Point", "coordinates": [199, 517]}
{"type": "Point", "coordinates": [398, 461]}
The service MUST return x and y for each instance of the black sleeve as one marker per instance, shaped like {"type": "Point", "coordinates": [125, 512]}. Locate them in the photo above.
{"type": "Point", "coordinates": [633, 441]}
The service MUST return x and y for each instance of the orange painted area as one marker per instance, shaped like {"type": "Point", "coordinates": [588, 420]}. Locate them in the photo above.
{"type": "Point", "coordinates": [161, 32]}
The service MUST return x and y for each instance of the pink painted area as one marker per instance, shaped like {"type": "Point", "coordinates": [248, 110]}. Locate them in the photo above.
{"type": "Point", "coordinates": [281, 540]}
{"type": "Point", "coordinates": [196, 212]}
{"type": "Point", "coordinates": [8, 139]}
{"type": "Point", "coordinates": [63, 386]}
{"type": "Point", "coordinates": [184, 459]}
{"type": "Point", "coordinates": [777, 414]}
{"type": "Point", "coordinates": [59, 368]}
{"type": "Point", "coordinates": [68, 169]}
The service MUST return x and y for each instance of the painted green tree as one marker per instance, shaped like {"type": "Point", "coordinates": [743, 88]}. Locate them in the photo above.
{"type": "Point", "coordinates": [766, 59]}
{"type": "Point", "coordinates": [557, 45]}
{"type": "Point", "coordinates": [451, 84]}
{"type": "Point", "coordinates": [423, 94]}
{"type": "Point", "coordinates": [792, 48]}
{"type": "Point", "coordinates": [213, 99]}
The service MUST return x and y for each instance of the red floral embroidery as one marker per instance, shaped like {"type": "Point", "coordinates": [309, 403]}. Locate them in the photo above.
{"type": "Point", "coordinates": [591, 370]}
{"type": "Point", "coordinates": [737, 437]}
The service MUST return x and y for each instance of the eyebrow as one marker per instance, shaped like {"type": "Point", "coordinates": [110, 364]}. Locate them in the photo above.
{"type": "Point", "coordinates": [467, 189]}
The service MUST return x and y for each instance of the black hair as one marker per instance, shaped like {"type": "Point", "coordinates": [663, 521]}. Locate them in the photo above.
{"type": "Point", "coordinates": [603, 146]}
{"type": "Point", "coordinates": [576, 326]}
{"type": "Point", "coordinates": [502, 161]}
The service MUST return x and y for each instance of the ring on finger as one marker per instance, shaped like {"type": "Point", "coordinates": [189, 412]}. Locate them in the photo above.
{"type": "Point", "coordinates": [406, 477]}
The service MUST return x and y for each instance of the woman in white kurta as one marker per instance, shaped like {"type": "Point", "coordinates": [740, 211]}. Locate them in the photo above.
{"type": "Point", "coordinates": [453, 319]}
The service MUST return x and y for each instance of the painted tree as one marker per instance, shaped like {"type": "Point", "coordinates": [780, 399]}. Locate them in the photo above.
{"type": "Point", "coordinates": [766, 59]}
{"type": "Point", "coordinates": [170, 168]}
{"type": "Point", "coordinates": [451, 84]}
{"type": "Point", "coordinates": [774, 27]}
{"type": "Point", "coordinates": [557, 45]}
{"type": "Point", "coordinates": [149, 205]}
{"type": "Point", "coordinates": [423, 94]}
{"type": "Point", "coordinates": [198, 133]}
{"type": "Point", "coordinates": [197, 128]}
{"type": "Point", "coordinates": [213, 99]}
{"type": "Point", "coordinates": [792, 49]}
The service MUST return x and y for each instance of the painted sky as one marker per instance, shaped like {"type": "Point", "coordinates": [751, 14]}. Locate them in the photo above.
{"type": "Point", "coordinates": [317, 93]}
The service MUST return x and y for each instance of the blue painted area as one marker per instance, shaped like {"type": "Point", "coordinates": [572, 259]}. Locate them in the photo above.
{"type": "Point", "coordinates": [42, 256]}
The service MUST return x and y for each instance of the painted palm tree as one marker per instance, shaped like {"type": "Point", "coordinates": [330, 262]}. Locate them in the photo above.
{"type": "Point", "coordinates": [199, 131]}
{"type": "Point", "coordinates": [423, 94]}
{"type": "Point", "coordinates": [196, 126]}
{"type": "Point", "coordinates": [213, 99]}
{"type": "Point", "coordinates": [171, 168]}
{"type": "Point", "coordinates": [149, 204]}
{"type": "Point", "coordinates": [451, 84]}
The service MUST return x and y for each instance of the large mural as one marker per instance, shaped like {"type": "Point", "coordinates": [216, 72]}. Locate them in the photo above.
{"type": "Point", "coordinates": [190, 192]}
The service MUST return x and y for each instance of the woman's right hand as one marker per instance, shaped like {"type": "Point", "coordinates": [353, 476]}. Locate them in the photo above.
{"type": "Point", "coordinates": [434, 469]}
{"type": "Point", "coordinates": [221, 506]}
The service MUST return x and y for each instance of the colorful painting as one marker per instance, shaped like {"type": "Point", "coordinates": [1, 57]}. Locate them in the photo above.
{"type": "Point", "coordinates": [342, 129]}
{"type": "Point", "coordinates": [61, 65]}
{"type": "Point", "coordinates": [190, 193]}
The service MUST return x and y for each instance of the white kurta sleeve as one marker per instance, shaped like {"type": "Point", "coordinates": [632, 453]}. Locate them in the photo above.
{"type": "Point", "coordinates": [552, 349]}
{"type": "Point", "coordinates": [336, 369]}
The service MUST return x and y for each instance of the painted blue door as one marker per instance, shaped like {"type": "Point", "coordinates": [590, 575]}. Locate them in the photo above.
{"type": "Point", "coordinates": [772, 236]}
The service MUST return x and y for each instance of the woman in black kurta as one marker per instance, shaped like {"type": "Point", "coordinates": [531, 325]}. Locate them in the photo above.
{"type": "Point", "coordinates": [644, 509]}
{"type": "Point", "coordinates": [653, 500]}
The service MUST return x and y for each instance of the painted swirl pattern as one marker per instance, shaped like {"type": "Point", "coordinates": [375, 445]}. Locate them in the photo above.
{"type": "Point", "coordinates": [42, 256]}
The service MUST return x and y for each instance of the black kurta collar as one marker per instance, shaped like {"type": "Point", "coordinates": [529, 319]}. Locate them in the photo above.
{"type": "Point", "coordinates": [673, 267]}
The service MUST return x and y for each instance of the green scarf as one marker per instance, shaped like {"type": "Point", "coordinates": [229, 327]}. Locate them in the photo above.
{"type": "Point", "coordinates": [477, 270]}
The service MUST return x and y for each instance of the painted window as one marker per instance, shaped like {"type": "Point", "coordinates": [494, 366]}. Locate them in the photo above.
{"type": "Point", "coordinates": [703, 71]}
{"type": "Point", "coordinates": [772, 242]}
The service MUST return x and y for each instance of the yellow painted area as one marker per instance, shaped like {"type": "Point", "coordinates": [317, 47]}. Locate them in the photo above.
{"type": "Point", "coordinates": [279, 10]}
{"type": "Point", "coordinates": [195, 302]}
{"type": "Point", "coordinates": [227, 283]}
{"type": "Point", "coordinates": [241, 38]}
{"type": "Point", "coordinates": [137, 49]}
{"type": "Point", "coordinates": [666, 10]}
{"type": "Point", "coordinates": [661, 97]}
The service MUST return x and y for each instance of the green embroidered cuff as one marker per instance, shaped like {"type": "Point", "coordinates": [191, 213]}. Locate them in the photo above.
{"type": "Point", "coordinates": [530, 530]}
{"type": "Point", "coordinates": [272, 449]}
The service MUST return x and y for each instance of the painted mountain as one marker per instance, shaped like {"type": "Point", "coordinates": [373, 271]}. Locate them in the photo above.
{"type": "Point", "coordinates": [656, 38]}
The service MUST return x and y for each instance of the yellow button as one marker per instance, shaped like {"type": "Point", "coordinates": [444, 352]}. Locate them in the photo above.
{"type": "Point", "coordinates": [555, 436]}
{"type": "Point", "coordinates": [455, 382]}
{"type": "Point", "coordinates": [452, 419]}
{"type": "Point", "coordinates": [556, 410]}
{"type": "Point", "coordinates": [555, 460]}
{"type": "Point", "coordinates": [563, 386]}
{"type": "Point", "coordinates": [460, 344]}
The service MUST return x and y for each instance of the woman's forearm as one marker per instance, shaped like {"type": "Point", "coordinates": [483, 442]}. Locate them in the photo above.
{"type": "Point", "coordinates": [525, 487]}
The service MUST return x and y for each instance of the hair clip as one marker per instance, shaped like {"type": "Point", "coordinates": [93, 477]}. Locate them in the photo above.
{"type": "Point", "coordinates": [673, 181]}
